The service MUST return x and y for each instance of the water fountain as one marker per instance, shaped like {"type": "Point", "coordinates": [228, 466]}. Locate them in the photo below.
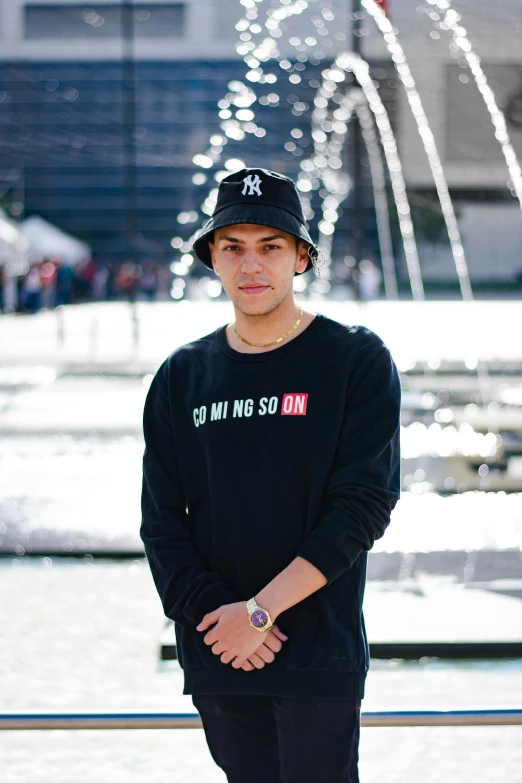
{"type": "Point", "coordinates": [344, 95]}
{"type": "Point", "coordinates": [347, 97]}
{"type": "Point", "coordinates": [325, 172]}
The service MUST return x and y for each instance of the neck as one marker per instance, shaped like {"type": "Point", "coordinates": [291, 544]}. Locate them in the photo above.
{"type": "Point", "coordinates": [266, 328]}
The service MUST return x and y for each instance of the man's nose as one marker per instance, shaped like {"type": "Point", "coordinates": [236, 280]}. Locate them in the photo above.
{"type": "Point", "coordinates": [250, 261]}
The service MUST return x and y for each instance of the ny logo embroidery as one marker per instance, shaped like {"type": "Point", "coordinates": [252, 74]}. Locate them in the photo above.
{"type": "Point", "coordinates": [252, 184]}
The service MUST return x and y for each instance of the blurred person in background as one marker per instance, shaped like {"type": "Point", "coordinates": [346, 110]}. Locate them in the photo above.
{"type": "Point", "coordinates": [32, 289]}
{"type": "Point", "coordinates": [64, 285]}
{"type": "Point", "coordinates": [164, 283]}
{"type": "Point", "coordinates": [149, 281]}
{"type": "Point", "coordinates": [128, 280]}
{"type": "Point", "coordinates": [112, 290]}
{"type": "Point", "coordinates": [48, 278]}
{"type": "Point", "coordinates": [84, 279]}
{"type": "Point", "coordinates": [100, 283]}
{"type": "Point", "coordinates": [271, 466]}
{"type": "Point", "coordinates": [9, 290]}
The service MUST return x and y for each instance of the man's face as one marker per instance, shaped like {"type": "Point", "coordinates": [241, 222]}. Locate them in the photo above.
{"type": "Point", "coordinates": [256, 265]}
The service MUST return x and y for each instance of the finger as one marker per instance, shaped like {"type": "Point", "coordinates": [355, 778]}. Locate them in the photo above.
{"type": "Point", "coordinates": [248, 667]}
{"type": "Point", "coordinates": [211, 637]}
{"type": "Point", "coordinates": [273, 643]}
{"type": "Point", "coordinates": [256, 660]}
{"type": "Point", "coordinates": [210, 619]}
{"type": "Point", "coordinates": [204, 624]}
{"type": "Point", "coordinates": [279, 633]}
{"type": "Point", "coordinates": [267, 655]}
{"type": "Point", "coordinates": [218, 648]}
{"type": "Point", "coordinates": [226, 657]}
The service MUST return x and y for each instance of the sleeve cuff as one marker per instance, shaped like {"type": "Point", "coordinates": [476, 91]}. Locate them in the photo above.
{"type": "Point", "coordinates": [214, 596]}
{"type": "Point", "coordinates": [324, 556]}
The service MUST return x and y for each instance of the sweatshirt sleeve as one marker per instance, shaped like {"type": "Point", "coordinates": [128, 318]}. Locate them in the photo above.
{"type": "Point", "coordinates": [187, 589]}
{"type": "Point", "coordinates": [364, 483]}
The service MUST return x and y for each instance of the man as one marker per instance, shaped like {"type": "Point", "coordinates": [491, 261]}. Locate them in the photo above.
{"type": "Point", "coordinates": [271, 466]}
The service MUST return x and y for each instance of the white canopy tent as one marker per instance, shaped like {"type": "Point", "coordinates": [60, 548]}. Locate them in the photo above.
{"type": "Point", "coordinates": [48, 241]}
{"type": "Point", "coordinates": [13, 260]}
{"type": "Point", "coordinates": [13, 246]}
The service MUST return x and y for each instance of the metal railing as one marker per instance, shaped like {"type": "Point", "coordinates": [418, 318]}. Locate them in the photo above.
{"type": "Point", "coordinates": [16, 721]}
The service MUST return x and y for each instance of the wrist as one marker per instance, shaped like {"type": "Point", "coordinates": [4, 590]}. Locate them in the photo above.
{"type": "Point", "coordinates": [268, 602]}
{"type": "Point", "coordinates": [259, 616]}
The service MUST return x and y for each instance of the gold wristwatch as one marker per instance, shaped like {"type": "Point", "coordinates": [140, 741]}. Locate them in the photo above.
{"type": "Point", "coordinates": [258, 617]}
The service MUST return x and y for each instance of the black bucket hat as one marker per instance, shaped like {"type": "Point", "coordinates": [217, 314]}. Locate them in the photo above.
{"type": "Point", "coordinates": [256, 196]}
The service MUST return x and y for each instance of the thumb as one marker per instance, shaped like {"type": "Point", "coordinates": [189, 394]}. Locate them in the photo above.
{"type": "Point", "coordinates": [210, 619]}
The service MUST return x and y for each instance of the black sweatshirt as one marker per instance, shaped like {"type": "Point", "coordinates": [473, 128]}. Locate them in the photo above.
{"type": "Point", "coordinates": [253, 459]}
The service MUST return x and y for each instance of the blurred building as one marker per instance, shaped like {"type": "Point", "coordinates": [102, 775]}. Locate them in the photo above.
{"type": "Point", "coordinates": [103, 106]}
{"type": "Point", "coordinates": [488, 213]}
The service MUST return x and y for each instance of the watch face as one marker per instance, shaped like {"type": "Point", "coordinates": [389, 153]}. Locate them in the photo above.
{"type": "Point", "coordinates": [259, 618]}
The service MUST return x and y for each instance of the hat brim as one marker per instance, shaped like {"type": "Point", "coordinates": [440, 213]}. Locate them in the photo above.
{"type": "Point", "coordinates": [261, 215]}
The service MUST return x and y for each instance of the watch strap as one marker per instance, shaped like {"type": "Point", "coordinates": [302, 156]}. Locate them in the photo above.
{"type": "Point", "coordinates": [253, 606]}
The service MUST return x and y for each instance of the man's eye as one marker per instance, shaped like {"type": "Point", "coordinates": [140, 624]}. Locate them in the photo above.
{"type": "Point", "coordinates": [272, 247]}
{"type": "Point", "coordinates": [232, 247]}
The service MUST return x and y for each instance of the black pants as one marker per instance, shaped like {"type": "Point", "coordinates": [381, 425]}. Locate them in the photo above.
{"type": "Point", "coordinates": [274, 739]}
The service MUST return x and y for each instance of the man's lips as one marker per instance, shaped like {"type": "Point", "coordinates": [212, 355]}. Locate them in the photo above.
{"type": "Point", "coordinates": [253, 289]}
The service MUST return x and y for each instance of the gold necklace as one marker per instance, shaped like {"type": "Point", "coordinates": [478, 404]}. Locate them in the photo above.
{"type": "Point", "coordinates": [279, 339]}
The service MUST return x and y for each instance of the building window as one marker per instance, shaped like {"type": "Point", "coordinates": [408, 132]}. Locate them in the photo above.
{"type": "Point", "coordinates": [470, 134]}
{"type": "Point", "coordinates": [151, 20]}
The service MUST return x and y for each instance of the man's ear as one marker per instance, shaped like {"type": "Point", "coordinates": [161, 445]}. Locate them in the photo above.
{"type": "Point", "coordinates": [302, 256]}
{"type": "Point", "coordinates": [213, 257]}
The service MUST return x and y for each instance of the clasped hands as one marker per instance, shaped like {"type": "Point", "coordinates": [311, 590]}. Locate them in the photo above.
{"type": "Point", "coordinates": [236, 641]}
